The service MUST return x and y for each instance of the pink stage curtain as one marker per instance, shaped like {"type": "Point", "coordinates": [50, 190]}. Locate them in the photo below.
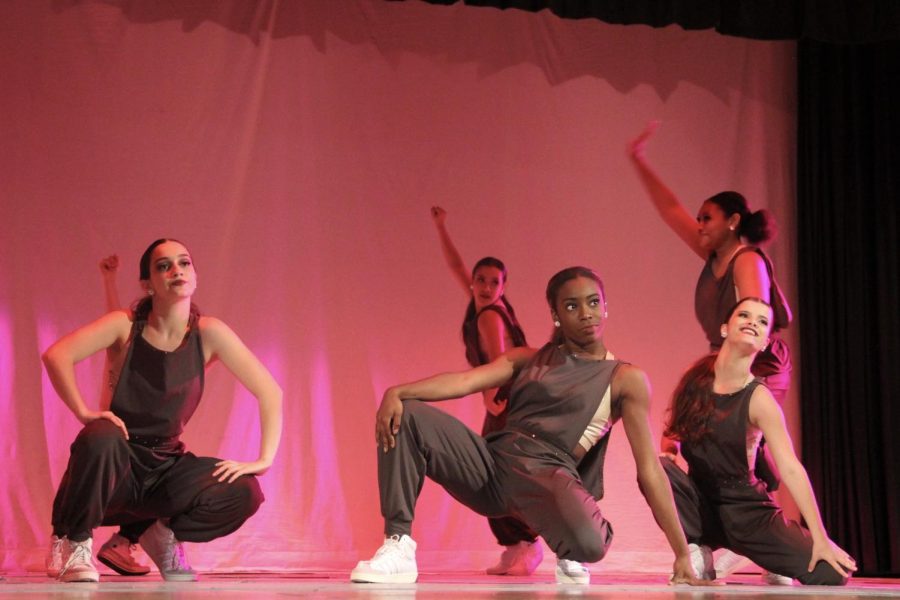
{"type": "Point", "coordinates": [296, 148]}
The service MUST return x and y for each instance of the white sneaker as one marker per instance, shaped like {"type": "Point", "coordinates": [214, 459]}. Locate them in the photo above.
{"type": "Point", "coordinates": [394, 562]}
{"type": "Point", "coordinates": [54, 560]}
{"type": "Point", "coordinates": [729, 563]}
{"type": "Point", "coordinates": [167, 553]}
{"type": "Point", "coordinates": [519, 559]}
{"type": "Point", "coordinates": [78, 562]}
{"type": "Point", "coordinates": [770, 578]}
{"type": "Point", "coordinates": [702, 562]}
{"type": "Point", "coordinates": [570, 571]}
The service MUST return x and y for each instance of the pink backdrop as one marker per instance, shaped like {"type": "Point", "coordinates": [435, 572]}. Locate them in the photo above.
{"type": "Point", "coordinates": [296, 148]}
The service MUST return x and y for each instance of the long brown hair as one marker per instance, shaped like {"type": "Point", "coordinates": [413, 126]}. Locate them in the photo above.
{"type": "Point", "coordinates": [692, 402]}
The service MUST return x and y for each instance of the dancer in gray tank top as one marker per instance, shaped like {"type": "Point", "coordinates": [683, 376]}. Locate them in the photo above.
{"type": "Point", "coordinates": [544, 466]}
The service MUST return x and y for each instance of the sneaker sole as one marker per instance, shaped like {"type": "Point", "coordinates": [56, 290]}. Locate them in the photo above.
{"type": "Point", "coordinates": [80, 578]}
{"type": "Point", "coordinates": [120, 570]}
{"type": "Point", "coordinates": [565, 579]}
{"type": "Point", "coordinates": [383, 577]}
{"type": "Point", "coordinates": [180, 577]}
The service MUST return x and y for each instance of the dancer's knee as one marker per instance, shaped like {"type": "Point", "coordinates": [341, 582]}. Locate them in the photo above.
{"type": "Point", "coordinates": [98, 438]}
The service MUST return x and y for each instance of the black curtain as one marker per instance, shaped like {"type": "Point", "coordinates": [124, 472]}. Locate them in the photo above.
{"type": "Point", "coordinates": [848, 214]}
{"type": "Point", "coordinates": [823, 20]}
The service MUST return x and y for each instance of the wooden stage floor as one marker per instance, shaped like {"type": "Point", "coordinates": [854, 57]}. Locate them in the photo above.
{"type": "Point", "coordinates": [456, 585]}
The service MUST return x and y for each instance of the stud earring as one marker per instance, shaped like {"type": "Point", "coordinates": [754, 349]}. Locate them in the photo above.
{"type": "Point", "coordinates": [149, 292]}
{"type": "Point", "coordinates": [724, 332]}
{"type": "Point", "coordinates": [731, 227]}
{"type": "Point", "coordinates": [556, 323]}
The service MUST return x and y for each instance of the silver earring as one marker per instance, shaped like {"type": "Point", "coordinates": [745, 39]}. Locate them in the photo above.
{"type": "Point", "coordinates": [724, 333]}
{"type": "Point", "coordinates": [556, 323]}
{"type": "Point", "coordinates": [731, 227]}
{"type": "Point", "coordinates": [149, 292]}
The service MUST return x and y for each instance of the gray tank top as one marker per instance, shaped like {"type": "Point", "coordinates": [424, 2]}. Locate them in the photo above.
{"type": "Point", "coordinates": [157, 392]}
{"type": "Point", "coordinates": [555, 396]}
{"type": "Point", "coordinates": [719, 459]}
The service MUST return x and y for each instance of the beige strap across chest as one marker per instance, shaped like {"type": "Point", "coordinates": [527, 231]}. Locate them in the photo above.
{"type": "Point", "coordinates": [600, 423]}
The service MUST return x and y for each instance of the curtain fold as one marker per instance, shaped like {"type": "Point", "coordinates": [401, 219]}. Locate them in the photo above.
{"type": "Point", "coordinates": [848, 266]}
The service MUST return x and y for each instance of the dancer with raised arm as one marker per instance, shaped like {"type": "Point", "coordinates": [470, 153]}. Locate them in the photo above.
{"type": "Point", "coordinates": [489, 329]}
{"type": "Point", "coordinates": [545, 467]}
{"type": "Point", "coordinates": [128, 464]}
{"type": "Point", "coordinates": [720, 412]}
{"type": "Point", "coordinates": [727, 236]}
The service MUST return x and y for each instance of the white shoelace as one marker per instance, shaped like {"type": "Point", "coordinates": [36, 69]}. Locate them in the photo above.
{"type": "Point", "coordinates": [390, 555]}
{"type": "Point", "coordinates": [81, 554]}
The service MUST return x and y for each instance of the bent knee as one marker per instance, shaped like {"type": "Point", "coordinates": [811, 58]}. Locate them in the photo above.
{"type": "Point", "coordinates": [590, 545]}
{"type": "Point", "coordinates": [99, 436]}
{"type": "Point", "coordinates": [243, 495]}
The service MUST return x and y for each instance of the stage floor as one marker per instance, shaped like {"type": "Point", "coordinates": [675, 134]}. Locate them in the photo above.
{"type": "Point", "coordinates": [469, 585]}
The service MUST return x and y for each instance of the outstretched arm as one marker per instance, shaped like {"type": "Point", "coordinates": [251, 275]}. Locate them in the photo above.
{"type": "Point", "coordinates": [225, 345]}
{"type": "Point", "coordinates": [60, 359]}
{"type": "Point", "coordinates": [633, 389]}
{"type": "Point", "coordinates": [673, 213]}
{"type": "Point", "coordinates": [451, 254]}
{"type": "Point", "coordinates": [767, 416]}
{"type": "Point", "coordinates": [443, 387]}
{"type": "Point", "coordinates": [109, 269]}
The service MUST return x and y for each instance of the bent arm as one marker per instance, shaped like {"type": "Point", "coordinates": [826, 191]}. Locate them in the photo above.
{"type": "Point", "coordinates": [673, 213]}
{"type": "Point", "coordinates": [444, 387]}
{"type": "Point", "coordinates": [225, 345]}
{"type": "Point", "coordinates": [634, 392]}
{"type": "Point", "coordinates": [451, 254]}
{"type": "Point", "coordinates": [766, 414]}
{"type": "Point", "coordinates": [60, 358]}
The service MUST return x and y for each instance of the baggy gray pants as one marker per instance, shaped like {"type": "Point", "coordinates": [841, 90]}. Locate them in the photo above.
{"type": "Point", "coordinates": [510, 474]}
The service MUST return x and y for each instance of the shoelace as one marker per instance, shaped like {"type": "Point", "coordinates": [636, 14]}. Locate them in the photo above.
{"type": "Point", "coordinates": [390, 552]}
{"type": "Point", "coordinates": [80, 554]}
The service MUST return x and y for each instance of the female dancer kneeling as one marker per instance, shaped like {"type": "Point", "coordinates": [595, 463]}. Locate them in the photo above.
{"type": "Point", "coordinates": [545, 466]}
{"type": "Point", "coordinates": [128, 465]}
{"type": "Point", "coordinates": [489, 329]}
{"type": "Point", "coordinates": [719, 412]}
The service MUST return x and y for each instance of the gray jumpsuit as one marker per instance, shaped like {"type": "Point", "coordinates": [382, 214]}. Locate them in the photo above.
{"type": "Point", "coordinates": [722, 504]}
{"type": "Point", "coordinates": [526, 470]}
{"type": "Point", "coordinates": [113, 481]}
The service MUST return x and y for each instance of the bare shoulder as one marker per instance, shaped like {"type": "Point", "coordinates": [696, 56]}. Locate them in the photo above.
{"type": "Point", "coordinates": [749, 259]}
{"type": "Point", "coordinates": [490, 319]}
{"type": "Point", "coordinates": [214, 331]}
{"type": "Point", "coordinates": [630, 378]}
{"type": "Point", "coordinates": [763, 406]}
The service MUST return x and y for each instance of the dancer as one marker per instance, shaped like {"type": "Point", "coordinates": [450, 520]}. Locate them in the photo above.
{"type": "Point", "coordinates": [490, 328]}
{"type": "Point", "coordinates": [719, 412]}
{"type": "Point", "coordinates": [128, 466]}
{"type": "Point", "coordinates": [733, 269]}
{"type": "Point", "coordinates": [545, 466]}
